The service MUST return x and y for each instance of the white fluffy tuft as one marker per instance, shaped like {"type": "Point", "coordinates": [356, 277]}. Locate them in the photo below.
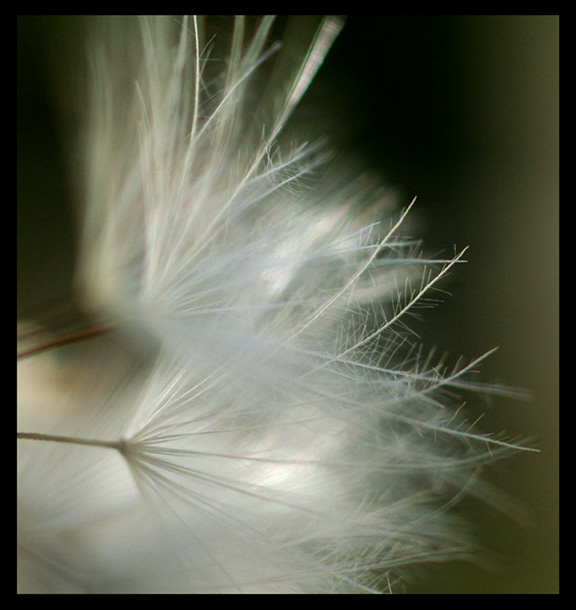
{"type": "Point", "coordinates": [286, 438]}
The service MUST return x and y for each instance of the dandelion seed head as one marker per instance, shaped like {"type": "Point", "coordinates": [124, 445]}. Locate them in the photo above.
{"type": "Point", "coordinates": [287, 435]}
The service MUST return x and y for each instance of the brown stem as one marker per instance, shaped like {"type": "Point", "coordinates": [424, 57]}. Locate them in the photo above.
{"type": "Point", "coordinates": [119, 445]}
{"type": "Point", "coordinates": [91, 331]}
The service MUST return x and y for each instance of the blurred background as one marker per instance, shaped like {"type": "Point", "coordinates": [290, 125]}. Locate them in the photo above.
{"type": "Point", "coordinates": [460, 111]}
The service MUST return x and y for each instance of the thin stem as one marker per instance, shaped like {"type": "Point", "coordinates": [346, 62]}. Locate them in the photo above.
{"type": "Point", "coordinates": [119, 445]}
{"type": "Point", "coordinates": [92, 331]}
